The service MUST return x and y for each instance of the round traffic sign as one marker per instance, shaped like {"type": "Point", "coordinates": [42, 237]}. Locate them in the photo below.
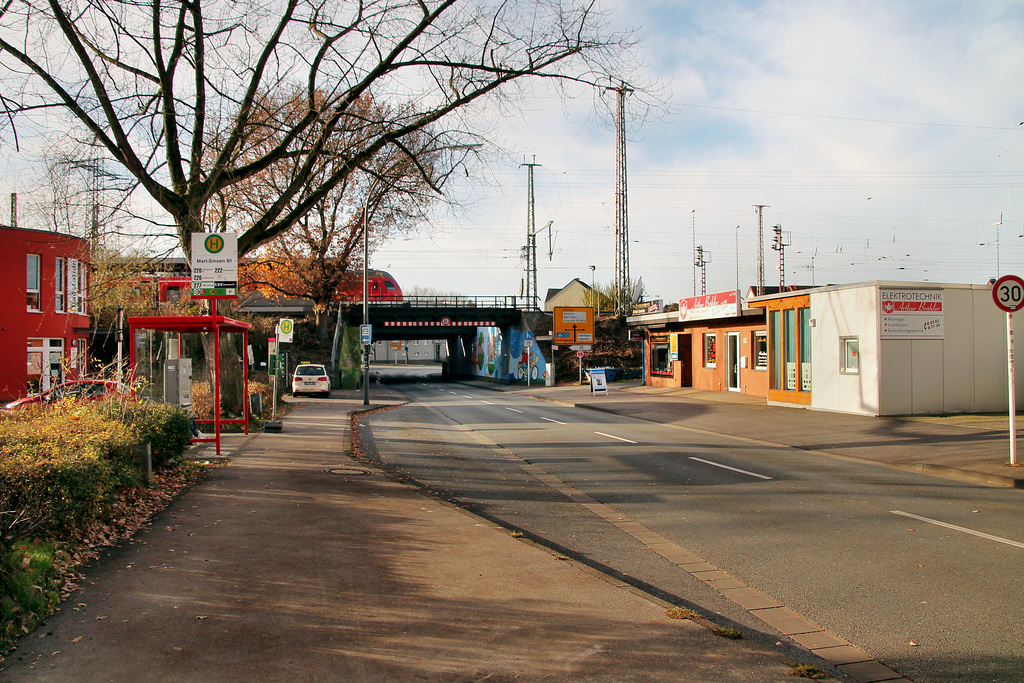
{"type": "Point", "coordinates": [579, 354]}
{"type": "Point", "coordinates": [1008, 293]}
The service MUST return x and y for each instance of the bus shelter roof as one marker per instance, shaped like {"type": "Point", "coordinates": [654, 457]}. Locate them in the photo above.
{"type": "Point", "coordinates": [189, 323]}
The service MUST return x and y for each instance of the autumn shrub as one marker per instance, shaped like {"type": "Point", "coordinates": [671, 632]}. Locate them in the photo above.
{"type": "Point", "coordinates": [60, 467]}
{"type": "Point", "coordinates": [167, 428]}
{"type": "Point", "coordinates": [65, 468]}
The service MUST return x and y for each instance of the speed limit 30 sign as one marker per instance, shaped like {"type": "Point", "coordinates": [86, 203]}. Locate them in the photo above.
{"type": "Point", "coordinates": [1008, 293]}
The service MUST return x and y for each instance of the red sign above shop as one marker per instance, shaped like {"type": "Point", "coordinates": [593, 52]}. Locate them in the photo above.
{"type": "Point", "coordinates": [720, 305]}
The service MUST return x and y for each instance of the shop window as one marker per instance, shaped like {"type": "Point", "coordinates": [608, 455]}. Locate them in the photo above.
{"type": "Point", "coordinates": [761, 350]}
{"type": "Point", "coordinates": [59, 293]}
{"type": "Point", "coordinates": [849, 356]}
{"type": "Point", "coordinates": [790, 349]}
{"type": "Point", "coordinates": [710, 350]}
{"type": "Point", "coordinates": [32, 283]}
{"type": "Point", "coordinates": [660, 363]}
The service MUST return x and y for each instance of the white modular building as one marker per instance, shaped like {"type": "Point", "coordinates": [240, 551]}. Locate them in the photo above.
{"type": "Point", "coordinates": [888, 348]}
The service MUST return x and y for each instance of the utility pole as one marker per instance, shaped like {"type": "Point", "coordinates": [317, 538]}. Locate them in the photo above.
{"type": "Point", "coordinates": [531, 239]}
{"type": "Point", "coordinates": [701, 260]}
{"type": "Point", "coordinates": [693, 239]}
{"type": "Point", "coordinates": [622, 282]}
{"type": "Point", "coordinates": [760, 248]}
{"type": "Point", "coordinates": [782, 240]}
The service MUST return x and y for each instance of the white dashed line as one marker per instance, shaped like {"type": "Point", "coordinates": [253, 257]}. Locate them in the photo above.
{"type": "Point", "coordinates": [550, 420]}
{"type": "Point", "coordinates": [514, 410]}
{"type": "Point", "coordinates": [954, 527]}
{"type": "Point", "coordinates": [734, 469]}
{"type": "Point", "coordinates": [617, 438]}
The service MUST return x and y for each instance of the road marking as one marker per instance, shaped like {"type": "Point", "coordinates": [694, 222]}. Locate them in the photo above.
{"type": "Point", "coordinates": [954, 527]}
{"type": "Point", "coordinates": [550, 420]}
{"type": "Point", "coordinates": [466, 396]}
{"type": "Point", "coordinates": [618, 438]}
{"type": "Point", "coordinates": [514, 410]}
{"type": "Point", "coordinates": [726, 467]}
{"type": "Point", "coordinates": [487, 402]}
{"type": "Point", "coordinates": [454, 393]}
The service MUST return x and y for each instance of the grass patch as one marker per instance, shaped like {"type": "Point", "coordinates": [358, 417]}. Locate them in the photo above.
{"type": "Point", "coordinates": [808, 671]}
{"type": "Point", "coordinates": [724, 632]}
{"type": "Point", "coordinates": [680, 613]}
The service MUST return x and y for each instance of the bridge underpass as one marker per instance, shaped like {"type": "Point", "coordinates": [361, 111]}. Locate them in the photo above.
{"type": "Point", "coordinates": [456, 320]}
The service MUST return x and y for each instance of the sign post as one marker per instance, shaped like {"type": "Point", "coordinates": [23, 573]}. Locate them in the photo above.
{"type": "Point", "coordinates": [1008, 293]}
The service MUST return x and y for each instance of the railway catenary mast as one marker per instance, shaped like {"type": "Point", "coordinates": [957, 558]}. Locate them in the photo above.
{"type": "Point", "coordinates": [622, 283]}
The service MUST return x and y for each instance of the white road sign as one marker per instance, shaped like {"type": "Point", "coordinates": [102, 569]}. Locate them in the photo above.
{"type": "Point", "coordinates": [214, 264]}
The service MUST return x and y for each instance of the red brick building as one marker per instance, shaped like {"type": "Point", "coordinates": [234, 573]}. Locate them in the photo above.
{"type": "Point", "coordinates": [43, 314]}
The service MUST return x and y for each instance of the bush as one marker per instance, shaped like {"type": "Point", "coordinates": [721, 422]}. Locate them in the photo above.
{"type": "Point", "coordinates": [64, 468]}
{"type": "Point", "coordinates": [166, 427]}
{"type": "Point", "coordinates": [61, 466]}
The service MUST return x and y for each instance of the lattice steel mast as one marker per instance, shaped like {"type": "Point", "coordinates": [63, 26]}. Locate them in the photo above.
{"type": "Point", "coordinates": [622, 281]}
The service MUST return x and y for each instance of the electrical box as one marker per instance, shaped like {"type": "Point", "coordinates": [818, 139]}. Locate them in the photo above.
{"type": "Point", "coordinates": [178, 381]}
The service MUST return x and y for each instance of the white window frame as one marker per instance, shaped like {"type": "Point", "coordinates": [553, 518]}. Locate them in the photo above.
{"type": "Point", "coordinates": [846, 367]}
{"type": "Point", "coordinates": [34, 288]}
{"type": "Point", "coordinates": [60, 290]}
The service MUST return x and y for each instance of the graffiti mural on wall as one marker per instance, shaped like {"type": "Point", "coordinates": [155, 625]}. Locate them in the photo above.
{"type": "Point", "coordinates": [526, 360]}
{"type": "Point", "coordinates": [498, 357]}
{"type": "Point", "coordinates": [488, 352]}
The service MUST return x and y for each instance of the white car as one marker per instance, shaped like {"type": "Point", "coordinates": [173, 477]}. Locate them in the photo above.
{"type": "Point", "coordinates": [310, 378]}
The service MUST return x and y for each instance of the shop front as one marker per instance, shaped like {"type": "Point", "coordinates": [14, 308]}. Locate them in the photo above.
{"type": "Point", "coordinates": [712, 343]}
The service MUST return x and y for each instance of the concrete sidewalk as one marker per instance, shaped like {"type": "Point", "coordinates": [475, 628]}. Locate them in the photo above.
{"type": "Point", "coordinates": [972, 448]}
{"type": "Point", "coordinates": [295, 562]}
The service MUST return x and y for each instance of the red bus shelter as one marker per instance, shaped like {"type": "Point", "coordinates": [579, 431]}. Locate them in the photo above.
{"type": "Point", "coordinates": [215, 324]}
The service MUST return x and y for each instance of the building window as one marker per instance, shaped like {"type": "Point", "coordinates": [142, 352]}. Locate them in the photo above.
{"type": "Point", "coordinates": [83, 288]}
{"type": "Point", "coordinates": [32, 284]}
{"type": "Point", "coordinates": [710, 350]}
{"type": "Point", "coordinates": [59, 291]}
{"type": "Point", "coordinates": [849, 356]}
{"type": "Point", "coordinates": [660, 363]}
{"type": "Point", "coordinates": [761, 350]}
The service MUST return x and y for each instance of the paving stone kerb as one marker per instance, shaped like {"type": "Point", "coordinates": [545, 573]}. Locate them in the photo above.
{"type": "Point", "coordinates": [295, 562]}
{"type": "Point", "coordinates": [969, 447]}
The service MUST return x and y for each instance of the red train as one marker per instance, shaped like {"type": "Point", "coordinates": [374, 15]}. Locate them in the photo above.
{"type": "Point", "coordinates": [382, 287]}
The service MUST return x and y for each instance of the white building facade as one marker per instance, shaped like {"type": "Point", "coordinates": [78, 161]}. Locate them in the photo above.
{"type": "Point", "coordinates": [888, 348]}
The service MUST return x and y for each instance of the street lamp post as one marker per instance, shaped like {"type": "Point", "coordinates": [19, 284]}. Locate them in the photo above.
{"type": "Point", "coordinates": [593, 291]}
{"type": "Point", "coordinates": [366, 291]}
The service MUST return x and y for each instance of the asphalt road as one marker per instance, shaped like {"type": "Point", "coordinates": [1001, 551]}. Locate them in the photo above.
{"type": "Point", "coordinates": [922, 573]}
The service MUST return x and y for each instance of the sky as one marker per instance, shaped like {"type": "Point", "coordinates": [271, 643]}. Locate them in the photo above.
{"type": "Point", "coordinates": [884, 137]}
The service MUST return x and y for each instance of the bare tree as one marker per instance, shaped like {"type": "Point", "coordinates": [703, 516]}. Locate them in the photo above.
{"type": "Point", "coordinates": [312, 259]}
{"type": "Point", "coordinates": [173, 91]}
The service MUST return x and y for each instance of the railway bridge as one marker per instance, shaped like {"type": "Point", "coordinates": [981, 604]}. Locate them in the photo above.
{"type": "Point", "coordinates": [456, 320]}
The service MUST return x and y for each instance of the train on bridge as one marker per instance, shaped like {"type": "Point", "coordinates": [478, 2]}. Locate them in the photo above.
{"type": "Point", "coordinates": [381, 286]}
